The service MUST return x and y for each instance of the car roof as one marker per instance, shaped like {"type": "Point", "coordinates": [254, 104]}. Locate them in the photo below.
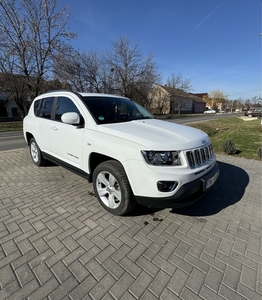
{"type": "Point", "coordinates": [100, 95]}
{"type": "Point", "coordinates": [83, 94]}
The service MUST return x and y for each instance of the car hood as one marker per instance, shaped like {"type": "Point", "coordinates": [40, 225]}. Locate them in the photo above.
{"type": "Point", "coordinates": [155, 134]}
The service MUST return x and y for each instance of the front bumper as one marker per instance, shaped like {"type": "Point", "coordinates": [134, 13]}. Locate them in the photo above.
{"type": "Point", "coordinates": [186, 195]}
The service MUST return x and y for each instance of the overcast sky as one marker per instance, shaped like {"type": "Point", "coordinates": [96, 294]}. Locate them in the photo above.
{"type": "Point", "coordinates": [214, 43]}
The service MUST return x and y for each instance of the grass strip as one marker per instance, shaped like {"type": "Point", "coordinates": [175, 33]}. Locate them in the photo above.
{"type": "Point", "coordinates": [244, 132]}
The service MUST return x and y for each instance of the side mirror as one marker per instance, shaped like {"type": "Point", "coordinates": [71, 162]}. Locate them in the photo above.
{"type": "Point", "coordinates": [71, 118]}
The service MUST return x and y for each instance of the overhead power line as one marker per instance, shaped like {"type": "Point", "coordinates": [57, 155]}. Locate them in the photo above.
{"type": "Point", "coordinates": [245, 93]}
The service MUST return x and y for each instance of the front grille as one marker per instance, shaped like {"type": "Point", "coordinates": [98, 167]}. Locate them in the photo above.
{"type": "Point", "coordinates": [200, 156]}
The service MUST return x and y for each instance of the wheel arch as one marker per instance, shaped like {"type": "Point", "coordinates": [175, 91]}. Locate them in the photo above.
{"type": "Point", "coordinates": [95, 159]}
{"type": "Point", "coordinates": [28, 137]}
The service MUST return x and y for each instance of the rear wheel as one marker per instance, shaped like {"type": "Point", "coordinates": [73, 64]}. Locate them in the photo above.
{"type": "Point", "coordinates": [36, 153]}
{"type": "Point", "coordinates": [112, 188]}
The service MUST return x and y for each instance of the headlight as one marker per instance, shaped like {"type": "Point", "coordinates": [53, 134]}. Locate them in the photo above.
{"type": "Point", "coordinates": [162, 158]}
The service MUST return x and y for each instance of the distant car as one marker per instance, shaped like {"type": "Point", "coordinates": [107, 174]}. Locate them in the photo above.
{"type": "Point", "coordinates": [209, 111]}
{"type": "Point", "coordinates": [254, 112]}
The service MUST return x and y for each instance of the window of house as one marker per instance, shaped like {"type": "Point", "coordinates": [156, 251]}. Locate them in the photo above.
{"type": "Point", "coordinates": [15, 112]}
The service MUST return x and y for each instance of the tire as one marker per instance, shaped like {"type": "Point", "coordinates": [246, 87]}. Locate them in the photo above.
{"type": "Point", "coordinates": [112, 188]}
{"type": "Point", "coordinates": [36, 153]}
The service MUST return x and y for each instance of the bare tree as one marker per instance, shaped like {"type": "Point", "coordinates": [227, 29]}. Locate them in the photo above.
{"type": "Point", "coordinates": [217, 94]}
{"type": "Point", "coordinates": [256, 101]}
{"type": "Point", "coordinates": [82, 71]}
{"type": "Point", "coordinates": [215, 97]}
{"type": "Point", "coordinates": [176, 81]}
{"type": "Point", "coordinates": [132, 73]}
{"type": "Point", "coordinates": [32, 33]}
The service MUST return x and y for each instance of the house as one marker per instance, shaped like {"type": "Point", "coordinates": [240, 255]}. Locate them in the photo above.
{"type": "Point", "coordinates": [199, 105]}
{"type": "Point", "coordinates": [11, 108]}
{"type": "Point", "coordinates": [215, 103]}
{"type": "Point", "coordinates": [8, 107]}
{"type": "Point", "coordinates": [166, 100]}
{"type": "Point", "coordinates": [3, 99]}
{"type": "Point", "coordinates": [203, 96]}
{"type": "Point", "coordinates": [15, 96]}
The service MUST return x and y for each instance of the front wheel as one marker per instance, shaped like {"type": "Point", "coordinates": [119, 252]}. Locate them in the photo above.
{"type": "Point", "coordinates": [36, 153]}
{"type": "Point", "coordinates": [112, 188]}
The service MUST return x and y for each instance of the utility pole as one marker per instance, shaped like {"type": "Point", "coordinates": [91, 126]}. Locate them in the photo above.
{"type": "Point", "coordinates": [260, 34]}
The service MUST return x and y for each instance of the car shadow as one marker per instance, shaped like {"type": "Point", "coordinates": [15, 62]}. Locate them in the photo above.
{"type": "Point", "coordinates": [228, 190]}
{"type": "Point", "coordinates": [140, 210]}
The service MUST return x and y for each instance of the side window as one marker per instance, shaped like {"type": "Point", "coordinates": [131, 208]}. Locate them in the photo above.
{"type": "Point", "coordinates": [36, 107]}
{"type": "Point", "coordinates": [45, 109]}
{"type": "Point", "coordinates": [64, 105]}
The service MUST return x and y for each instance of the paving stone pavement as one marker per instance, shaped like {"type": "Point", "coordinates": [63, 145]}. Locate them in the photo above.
{"type": "Point", "coordinates": [56, 242]}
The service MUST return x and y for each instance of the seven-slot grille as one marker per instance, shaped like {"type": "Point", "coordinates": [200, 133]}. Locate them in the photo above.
{"type": "Point", "coordinates": [200, 156]}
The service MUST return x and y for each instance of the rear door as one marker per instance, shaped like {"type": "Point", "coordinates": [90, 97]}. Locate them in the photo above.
{"type": "Point", "coordinates": [43, 122]}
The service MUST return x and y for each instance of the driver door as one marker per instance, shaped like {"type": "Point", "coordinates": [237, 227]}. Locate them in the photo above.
{"type": "Point", "coordinates": [66, 139]}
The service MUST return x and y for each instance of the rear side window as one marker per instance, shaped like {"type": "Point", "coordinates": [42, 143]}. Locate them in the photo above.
{"type": "Point", "coordinates": [36, 107]}
{"type": "Point", "coordinates": [43, 107]}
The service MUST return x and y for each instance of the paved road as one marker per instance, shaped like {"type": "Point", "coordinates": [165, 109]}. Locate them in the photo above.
{"type": "Point", "coordinates": [204, 117]}
{"type": "Point", "coordinates": [12, 140]}
{"type": "Point", "coordinates": [56, 242]}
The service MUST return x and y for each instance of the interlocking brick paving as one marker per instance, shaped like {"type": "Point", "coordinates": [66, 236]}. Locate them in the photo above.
{"type": "Point", "coordinates": [57, 242]}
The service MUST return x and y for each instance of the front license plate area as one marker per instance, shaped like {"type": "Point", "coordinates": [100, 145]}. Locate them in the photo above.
{"type": "Point", "coordinates": [210, 181]}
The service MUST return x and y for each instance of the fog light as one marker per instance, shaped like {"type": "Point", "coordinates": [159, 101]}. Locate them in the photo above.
{"type": "Point", "coordinates": [166, 186]}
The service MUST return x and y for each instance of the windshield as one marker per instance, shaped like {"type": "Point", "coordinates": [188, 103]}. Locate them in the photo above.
{"type": "Point", "coordinates": [112, 110]}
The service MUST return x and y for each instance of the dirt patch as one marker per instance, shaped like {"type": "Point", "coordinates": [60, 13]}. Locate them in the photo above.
{"type": "Point", "coordinates": [247, 118]}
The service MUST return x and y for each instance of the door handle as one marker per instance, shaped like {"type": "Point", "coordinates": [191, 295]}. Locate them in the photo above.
{"type": "Point", "coordinates": [54, 128]}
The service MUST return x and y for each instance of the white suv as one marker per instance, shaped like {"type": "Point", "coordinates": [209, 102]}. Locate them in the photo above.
{"type": "Point", "coordinates": [115, 143]}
